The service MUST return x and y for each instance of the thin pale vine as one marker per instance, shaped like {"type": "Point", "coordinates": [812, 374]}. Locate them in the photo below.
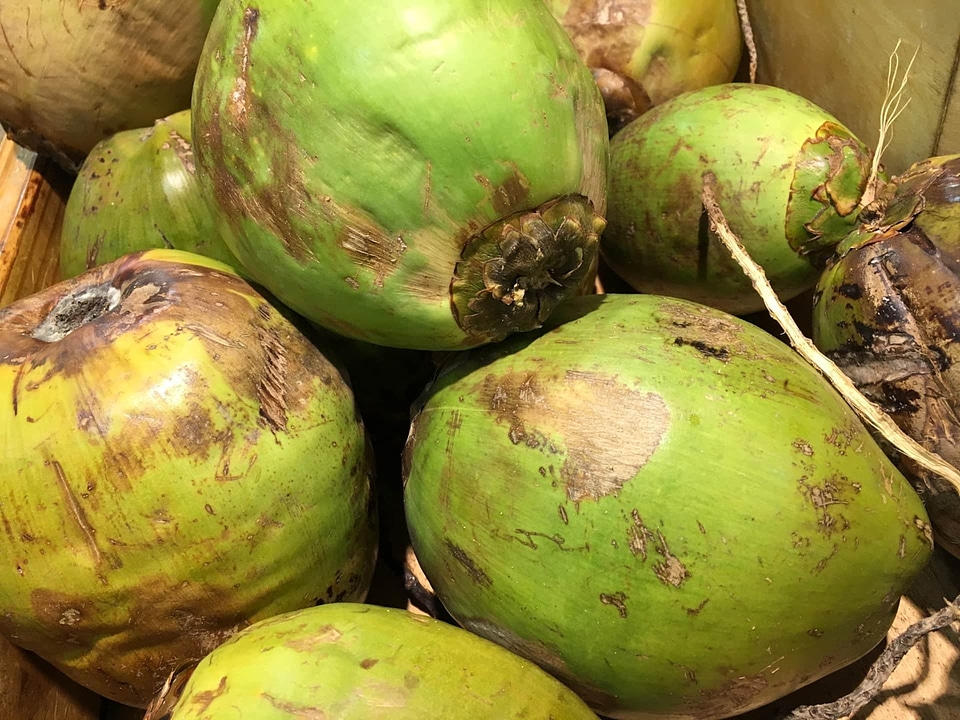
{"type": "Point", "coordinates": [892, 107]}
{"type": "Point", "coordinates": [161, 706]}
{"type": "Point", "coordinates": [882, 669]}
{"type": "Point", "coordinates": [747, 29]}
{"type": "Point", "coordinates": [865, 408]}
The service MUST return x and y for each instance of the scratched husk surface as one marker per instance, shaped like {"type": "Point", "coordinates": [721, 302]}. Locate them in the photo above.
{"type": "Point", "coordinates": [33, 193]}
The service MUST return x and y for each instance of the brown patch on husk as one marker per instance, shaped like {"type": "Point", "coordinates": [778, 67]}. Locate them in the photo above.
{"type": "Point", "coordinates": [557, 416]}
{"type": "Point", "coordinates": [182, 621]}
{"type": "Point", "coordinates": [154, 291]}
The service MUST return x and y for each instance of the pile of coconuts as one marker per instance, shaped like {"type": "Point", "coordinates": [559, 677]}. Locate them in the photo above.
{"type": "Point", "coordinates": [330, 416]}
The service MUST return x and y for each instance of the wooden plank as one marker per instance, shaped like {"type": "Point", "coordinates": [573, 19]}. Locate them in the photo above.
{"type": "Point", "coordinates": [835, 52]}
{"type": "Point", "coordinates": [30, 689]}
{"type": "Point", "coordinates": [33, 196]}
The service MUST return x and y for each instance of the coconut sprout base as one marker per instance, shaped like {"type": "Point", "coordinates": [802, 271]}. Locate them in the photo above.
{"type": "Point", "coordinates": [515, 272]}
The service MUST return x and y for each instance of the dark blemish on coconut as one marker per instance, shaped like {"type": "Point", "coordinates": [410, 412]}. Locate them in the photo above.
{"type": "Point", "coordinates": [688, 673]}
{"type": "Point", "coordinates": [671, 571]}
{"type": "Point", "coordinates": [617, 600]}
{"type": "Point", "coordinates": [703, 245]}
{"type": "Point", "coordinates": [638, 535]}
{"type": "Point", "coordinates": [925, 530]}
{"type": "Point", "coordinates": [473, 570]}
{"type": "Point", "coordinates": [851, 290]}
{"type": "Point", "coordinates": [889, 312]}
{"type": "Point", "coordinates": [526, 538]}
{"type": "Point", "coordinates": [821, 566]}
{"type": "Point", "coordinates": [693, 612]}
{"type": "Point", "coordinates": [803, 447]}
{"type": "Point", "coordinates": [825, 498]}
{"type": "Point", "coordinates": [719, 353]}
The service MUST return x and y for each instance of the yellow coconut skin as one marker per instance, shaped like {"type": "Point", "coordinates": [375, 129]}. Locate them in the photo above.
{"type": "Point", "coordinates": [180, 466]}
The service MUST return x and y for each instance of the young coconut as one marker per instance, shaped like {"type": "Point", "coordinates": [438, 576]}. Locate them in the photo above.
{"type": "Point", "coordinates": [74, 73]}
{"type": "Point", "coordinates": [790, 180]}
{"type": "Point", "coordinates": [887, 311]}
{"type": "Point", "coordinates": [135, 191]}
{"type": "Point", "coordinates": [428, 174]}
{"type": "Point", "coordinates": [645, 52]}
{"type": "Point", "coordinates": [179, 461]}
{"type": "Point", "coordinates": [374, 662]}
{"type": "Point", "coordinates": [647, 469]}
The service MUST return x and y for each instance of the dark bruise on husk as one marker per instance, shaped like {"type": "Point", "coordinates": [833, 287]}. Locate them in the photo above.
{"type": "Point", "coordinates": [887, 311]}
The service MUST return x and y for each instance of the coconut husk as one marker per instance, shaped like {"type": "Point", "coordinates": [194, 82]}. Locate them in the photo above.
{"type": "Point", "coordinates": [73, 73]}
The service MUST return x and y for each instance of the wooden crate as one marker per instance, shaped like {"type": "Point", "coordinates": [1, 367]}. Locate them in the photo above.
{"type": "Point", "coordinates": [835, 53]}
{"type": "Point", "coordinates": [926, 686]}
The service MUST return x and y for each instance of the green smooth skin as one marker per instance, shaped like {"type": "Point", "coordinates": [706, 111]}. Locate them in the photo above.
{"type": "Point", "coordinates": [362, 662]}
{"type": "Point", "coordinates": [750, 137]}
{"type": "Point", "coordinates": [403, 123]}
{"type": "Point", "coordinates": [148, 507]}
{"type": "Point", "coordinates": [135, 191]}
{"type": "Point", "coordinates": [759, 538]}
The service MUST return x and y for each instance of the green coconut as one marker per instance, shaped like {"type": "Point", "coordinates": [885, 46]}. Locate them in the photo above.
{"type": "Point", "coordinates": [75, 73]}
{"type": "Point", "coordinates": [887, 310]}
{"type": "Point", "coordinates": [179, 461]}
{"type": "Point", "coordinates": [426, 174]}
{"type": "Point", "coordinates": [135, 191]}
{"type": "Point", "coordinates": [359, 662]}
{"type": "Point", "coordinates": [661, 504]}
{"type": "Point", "coordinates": [645, 52]}
{"type": "Point", "coordinates": [790, 179]}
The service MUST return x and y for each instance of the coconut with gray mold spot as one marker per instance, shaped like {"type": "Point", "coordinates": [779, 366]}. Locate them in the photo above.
{"type": "Point", "coordinates": [178, 462]}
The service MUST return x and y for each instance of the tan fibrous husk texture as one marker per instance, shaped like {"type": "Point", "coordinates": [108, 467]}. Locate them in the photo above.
{"type": "Point", "coordinates": [74, 72]}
